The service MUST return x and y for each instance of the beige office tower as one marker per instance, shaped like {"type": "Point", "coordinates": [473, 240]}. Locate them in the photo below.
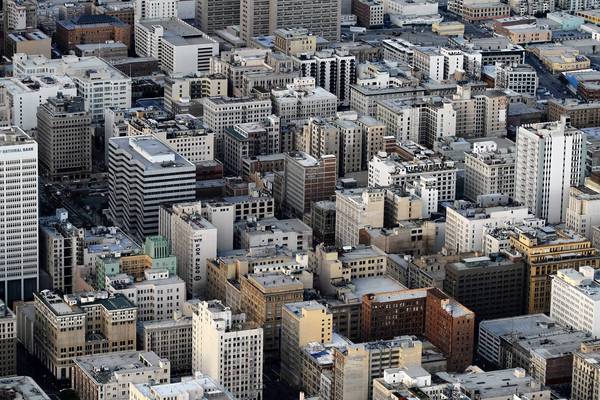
{"type": "Point", "coordinates": [228, 349]}
{"type": "Point", "coordinates": [262, 17]}
{"type": "Point", "coordinates": [302, 323]}
{"type": "Point", "coordinates": [586, 372]}
{"type": "Point", "coordinates": [75, 325]}
{"type": "Point", "coordinates": [65, 138]}
{"type": "Point", "coordinates": [214, 15]}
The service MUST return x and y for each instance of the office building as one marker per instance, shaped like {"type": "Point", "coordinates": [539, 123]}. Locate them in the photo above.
{"type": "Point", "coordinates": [170, 339]}
{"type": "Point", "coordinates": [369, 13]}
{"type": "Point", "coordinates": [289, 233]}
{"type": "Point", "coordinates": [193, 239]}
{"type": "Point", "coordinates": [23, 96]}
{"type": "Point", "coordinates": [65, 138]}
{"type": "Point", "coordinates": [158, 297]}
{"type": "Point", "coordinates": [154, 9]}
{"type": "Point", "coordinates": [172, 41]}
{"type": "Point", "coordinates": [301, 323]}
{"type": "Point", "coordinates": [575, 299]}
{"type": "Point", "coordinates": [467, 223]}
{"type": "Point", "coordinates": [109, 376]}
{"type": "Point", "coordinates": [212, 16]}
{"type": "Point", "coordinates": [491, 286]}
{"type": "Point", "coordinates": [521, 78]}
{"type": "Point", "coordinates": [223, 112]}
{"type": "Point", "coordinates": [23, 387]}
{"type": "Point", "coordinates": [586, 376]}
{"type": "Point", "coordinates": [8, 342]}
{"type": "Point", "coordinates": [541, 185]}
{"type": "Point", "coordinates": [100, 84]}
{"type": "Point", "coordinates": [61, 249]}
{"type": "Point", "coordinates": [262, 296]}
{"type": "Point", "coordinates": [262, 17]}
{"type": "Point", "coordinates": [546, 251]}
{"type": "Point", "coordinates": [228, 349]}
{"type": "Point", "coordinates": [293, 42]}
{"type": "Point", "coordinates": [91, 29]}
{"type": "Point", "coordinates": [198, 386]}
{"type": "Point", "coordinates": [19, 253]}
{"type": "Point", "coordinates": [144, 173]}
{"type": "Point", "coordinates": [301, 100]}
{"type": "Point", "coordinates": [357, 209]}
{"type": "Point", "coordinates": [77, 325]}
{"type": "Point", "coordinates": [183, 92]}
{"type": "Point", "coordinates": [490, 169]}
{"type": "Point", "coordinates": [30, 43]}
{"type": "Point", "coordinates": [305, 180]}
{"type": "Point", "coordinates": [392, 170]}
{"type": "Point", "coordinates": [583, 212]}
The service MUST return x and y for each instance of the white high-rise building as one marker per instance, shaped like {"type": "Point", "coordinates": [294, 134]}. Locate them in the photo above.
{"type": "Point", "coordinates": [153, 9]}
{"type": "Point", "coordinates": [18, 215]}
{"type": "Point", "coordinates": [356, 209]}
{"type": "Point", "coordinates": [550, 159]}
{"type": "Point", "coordinates": [193, 240]}
{"type": "Point", "coordinates": [467, 223]}
{"type": "Point", "coordinates": [100, 84]}
{"type": "Point", "coordinates": [157, 297]}
{"type": "Point", "coordinates": [575, 299]}
{"type": "Point", "coordinates": [144, 173]}
{"type": "Point", "coordinates": [228, 349]}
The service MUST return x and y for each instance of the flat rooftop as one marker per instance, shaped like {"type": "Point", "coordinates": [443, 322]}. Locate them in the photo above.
{"type": "Point", "coordinates": [151, 153]}
{"type": "Point", "coordinates": [104, 368]}
{"type": "Point", "coordinates": [494, 384]}
{"type": "Point", "coordinates": [23, 387]}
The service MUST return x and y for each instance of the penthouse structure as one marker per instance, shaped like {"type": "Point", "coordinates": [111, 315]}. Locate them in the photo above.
{"type": "Point", "coordinates": [108, 376]}
{"type": "Point", "coordinates": [143, 174]}
{"type": "Point", "coordinates": [78, 325]}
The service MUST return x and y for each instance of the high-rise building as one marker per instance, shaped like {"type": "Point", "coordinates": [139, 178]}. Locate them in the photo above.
{"type": "Point", "coordinates": [143, 174]}
{"type": "Point", "coordinates": [18, 215]}
{"type": "Point", "coordinates": [153, 9]}
{"type": "Point", "coordinates": [61, 249]}
{"type": "Point", "coordinates": [77, 325]}
{"type": "Point", "coordinates": [8, 341]}
{"type": "Point", "coordinates": [521, 78]}
{"type": "Point", "coordinates": [262, 296]}
{"type": "Point", "coordinates": [214, 15]}
{"type": "Point", "coordinates": [65, 138]}
{"type": "Point", "coordinates": [583, 212]}
{"type": "Point", "coordinates": [228, 349]}
{"type": "Point", "coordinates": [586, 372]}
{"type": "Point", "coordinates": [262, 17]}
{"type": "Point", "coordinates": [489, 169]}
{"type": "Point", "coordinates": [575, 299]}
{"type": "Point", "coordinates": [550, 159]}
{"type": "Point", "coordinates": [302, 323]}
{"type": "Point", "coordinates": [545, 251]}
{"type": "Point", "coordinates": [223, 112]}
{"type": "Point", "coordinates": [194, 240]}
{"type": "Point", "coordinates": [493, 286]}
{"type": "Point", "coordinates": [305, 180]}
{"type": "Point", "coordinates": [356, 209]}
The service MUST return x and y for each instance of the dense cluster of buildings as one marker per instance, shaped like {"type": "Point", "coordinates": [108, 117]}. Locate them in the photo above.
{"type": "Point", "coordinates": [330, 200]}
